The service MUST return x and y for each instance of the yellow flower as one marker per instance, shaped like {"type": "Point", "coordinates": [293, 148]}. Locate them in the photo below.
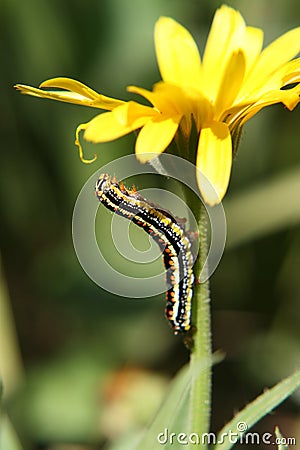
{"type": "Point", "coordinates": [234, 81]}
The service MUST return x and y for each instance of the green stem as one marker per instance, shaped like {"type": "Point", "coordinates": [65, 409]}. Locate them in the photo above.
{"type": "Point", "coordinates": [201, 351]}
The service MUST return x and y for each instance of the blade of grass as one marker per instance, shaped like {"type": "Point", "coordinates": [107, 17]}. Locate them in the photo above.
{"type": "Point", "coordinates": [11, 369]}
{"type": "Point", "coordinates": [8, 437]}
{"type": "Point", "coordinates": [173, 415]}
{"type": "Point", "coordinates": [279, 436]}
{"type": "Point", "coordinates": [171, 407]}
{"type": "Point", "coordinates": [256, 410]}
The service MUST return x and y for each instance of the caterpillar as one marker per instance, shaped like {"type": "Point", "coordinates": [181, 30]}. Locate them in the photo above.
{"type": "Point", "coordinates": [171, 238]}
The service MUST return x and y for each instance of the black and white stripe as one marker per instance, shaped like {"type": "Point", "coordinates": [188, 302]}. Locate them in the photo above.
{"type": "Point", "coordinates": [171, 239]}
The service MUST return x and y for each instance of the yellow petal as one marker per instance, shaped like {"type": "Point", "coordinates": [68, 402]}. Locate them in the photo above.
{"type": "Point", "coordinates": [214, 158]}
{"type": "Point", "coordinates": [240, 115]}
{"type": "Point", "coordinates": [291, 73]}
{"type": "Point", "coordinates": [231, 82]}
{"type": "Point", "coordinates": [69, 84]}
{"type": "Point", "coordinates": [225, 37]}
{"type": "Point", "coordinates": [133, 114]}
{"type": "Point", "coordinates": [290, 98]}
{"type": "Point", "coordinates": [75, 92]}
{"type": "Point", "coordinates": [106, 127]}
{"type": "Point", "coordinates": [155, 137]}
{"type": "Point", "coordinates": [167, 98]}
{"type": "Point", "coordinates": [252, 46]}
{"type": "Point", "coordinates": [151, 96]}
{"type": "Point", "coordinates": [288, 74]}
{"type": "Point", "coordinates": [272, 58]}
{"type": "Point", "coordinates": [62, 96]}
{"type": "Point", "coordinates": [177, 53]}
{"type": "Point", "coordinates": [174, 99]}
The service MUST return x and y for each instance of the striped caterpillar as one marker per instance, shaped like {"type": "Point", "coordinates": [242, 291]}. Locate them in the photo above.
{"type": "Point", "coordinates": [170, 236]}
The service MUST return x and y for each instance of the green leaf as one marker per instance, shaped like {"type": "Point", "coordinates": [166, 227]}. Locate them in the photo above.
{"type": "Point", "coordinates": [281, 439]}
{"type": "Point", "coordinates": [170, 412]}
{"type": "Point", "coordinates": [171, 409]}
{"type": "Point", "coordinates": [8, 437]}
{"type": "Point", "coordinates": [257, 409]}
{"type": "Point", "coordinates": [128, 442]}
{"type": "Point", "coordinates": [173, 415]}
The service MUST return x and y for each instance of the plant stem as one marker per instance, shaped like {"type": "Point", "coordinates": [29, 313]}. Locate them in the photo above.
{"type": "Point", "coordinates": [201, 351]}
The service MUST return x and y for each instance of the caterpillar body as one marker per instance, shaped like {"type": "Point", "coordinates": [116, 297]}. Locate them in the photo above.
{"type": "Point", "coordinates": [171, 238]}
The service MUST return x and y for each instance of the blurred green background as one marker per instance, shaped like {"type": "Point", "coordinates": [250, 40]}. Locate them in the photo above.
{"type": "Point", "coordinates": [92, 366]}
